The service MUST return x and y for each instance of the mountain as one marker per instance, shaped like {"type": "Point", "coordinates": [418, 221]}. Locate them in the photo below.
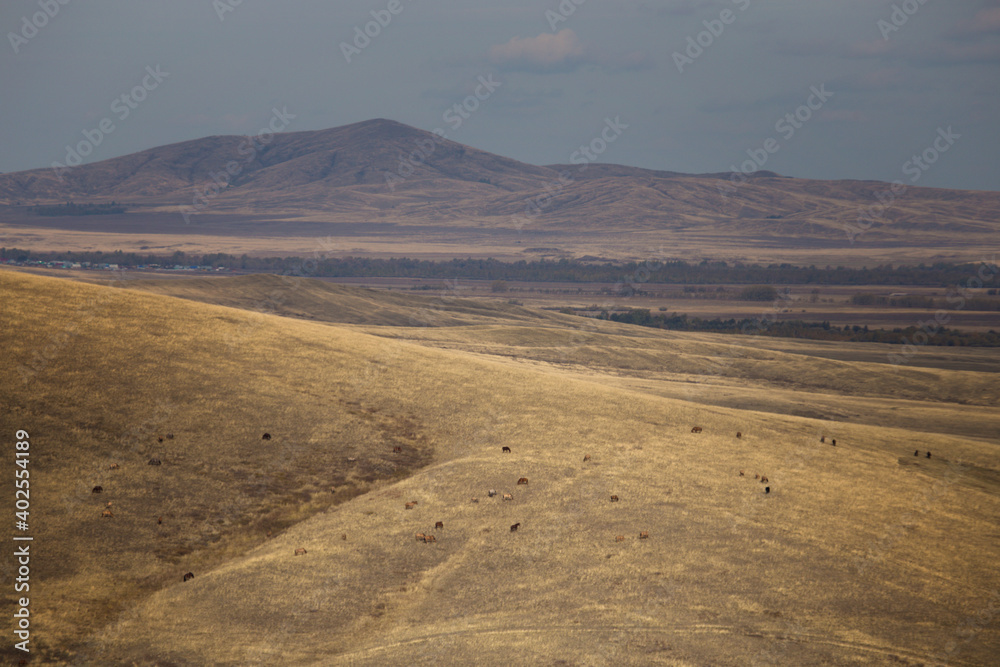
{"type": "Point", "coordinates": [390, 176]}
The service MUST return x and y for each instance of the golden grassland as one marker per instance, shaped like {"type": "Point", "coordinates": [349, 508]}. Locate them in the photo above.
{"type": "Point", "coordinates": [860, 554]}
{"type": "Point", "coordinates": [484, 241]}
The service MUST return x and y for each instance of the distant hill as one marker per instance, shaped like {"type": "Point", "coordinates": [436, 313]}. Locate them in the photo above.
{"type": "Point", "coordinates": [389, 176]}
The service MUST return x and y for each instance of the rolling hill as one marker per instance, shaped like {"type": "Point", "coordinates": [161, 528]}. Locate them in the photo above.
{"type": "Point", "coordinates": [860, 553]}
{"type": "Point", "coordinates": [365, 183]}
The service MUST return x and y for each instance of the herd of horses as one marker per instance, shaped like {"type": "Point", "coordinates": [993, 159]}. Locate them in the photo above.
{"type": "Point", "coordinates": [422, 537]}
{"type": "Point", "coordinates": [301, 551]}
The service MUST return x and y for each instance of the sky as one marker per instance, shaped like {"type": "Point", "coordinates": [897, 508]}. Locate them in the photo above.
{"type": "Point", "coordinates": [844, 89]}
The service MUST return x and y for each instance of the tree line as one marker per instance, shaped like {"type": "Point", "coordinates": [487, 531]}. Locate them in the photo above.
{"type": "Point", "coordinates": [629, 275]}
{"type": "Point", "coordinates": [801, 329]}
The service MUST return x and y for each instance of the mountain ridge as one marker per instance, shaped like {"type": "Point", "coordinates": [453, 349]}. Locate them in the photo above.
{"type": "Point", "coordinates": [388, 176]}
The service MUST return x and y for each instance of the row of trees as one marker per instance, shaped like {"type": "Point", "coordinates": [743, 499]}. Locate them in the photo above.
{"type": "Point", "coordinates": [800, 329]}
{"type": "Point", "coordinates": [925, 302]}
{"type": "Point", "coordinates": [631, 274]}
{"type": "Point", "coordinates": [69, 208]}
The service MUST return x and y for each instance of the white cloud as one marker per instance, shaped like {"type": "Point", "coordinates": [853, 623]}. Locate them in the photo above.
{"type": "Point", "coordinates": [547, 52]}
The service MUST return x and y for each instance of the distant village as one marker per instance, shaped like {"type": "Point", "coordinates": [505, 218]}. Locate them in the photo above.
{"type": "Point", "coordinates": [97, 266]}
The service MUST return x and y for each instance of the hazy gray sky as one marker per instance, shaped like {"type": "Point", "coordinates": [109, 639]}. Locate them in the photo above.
{"type": "Point", "coordinates": [898, 71]}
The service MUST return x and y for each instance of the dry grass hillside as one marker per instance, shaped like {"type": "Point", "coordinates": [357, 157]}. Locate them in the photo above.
{"type": "Point", "coordinates": [860, 554]}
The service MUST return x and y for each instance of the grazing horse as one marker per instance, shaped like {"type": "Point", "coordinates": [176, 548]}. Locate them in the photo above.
{"type": "Point", "coordinates": [644, 535]}
{"type": "Point", "coordinates": [430, 538]}
{"type": "Point", "coordinates": [928, 454]}
{"type": "Point", "coordinates": [410, 506]}
{"type": "Point", "coordinates": [97, 489]}
{"type": "Point", "coordinates": [301, 551]}
{"type": "Point", "coordinates": [756, 476]}
{"type": "Point", "coordinates": [475, 500]}
{"type": "Point", "coordinates": [343, 536]}
{"type": "Point", "coordinates": [154, 462]}
{"type": "Point", "coordinates": [189, 576]}
{"type": "Point", "coordinates": [439, 524]}
{"type": "Point", "coordinates": [514, 528]}
{"type": "Point", "coordinates": [523, 480]}
{"type": "Point", "coordinates": [506, 449]}
{"type": "Point", "coordinates": [266, 436]}
{"type": "Point", "coordinates": [833, 442]}
{"type": "Point", "coordinates": [739, 435]}
{"type": "Point", "coordinates": [614, 499]}
{"type": "Point", "coordinates": [696, 429]}
{"type": "Point", "coordinates": [159, 520]}
{"type": "Point", "coordinates": [763, 480]}
{"type": "Point", "coordinates": [916, 452]}
{"type": "Point", "coordinates": [107, 514]}
{"type": "Point", "coordinates": [508, 496]}
{"type": "Point", "coordinates": [619, 538]}
{"type": "Point", "coordinates": [420, 537]}
{"type": "Point", "coordinates": [113, 466]}
{"type": "Point", "coordinates": [741, 473]}
{"type": "Point", "coordinates": [160, 439]}
{"type": "Point", "coordinates": [586, 457]}
{"type": "Point", "coordinates": [493, 492]}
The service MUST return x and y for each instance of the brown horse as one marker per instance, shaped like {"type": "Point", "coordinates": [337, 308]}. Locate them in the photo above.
{"type": "Point", "coordinates": [189, 576]}
{"type": "Point", "coordinates": [523, 480]}
{"type": "Point", "coordinates": [696, 429]}
{"type": "Point", "coordinates": [514, 528]}
{"type": "Point", "coordinates": [644, 535]}
{"type": "Point", "coordinates": [614, 499]}
{"type": "Point", "coordinates": [301, 551]}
